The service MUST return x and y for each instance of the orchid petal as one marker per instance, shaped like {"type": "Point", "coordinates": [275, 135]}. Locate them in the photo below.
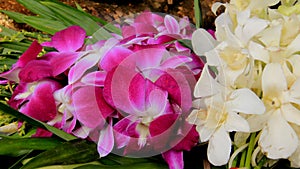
{"type": "Point", "coordinates": [294, 46]}
{"type": "Point", "coordinates": [235, 122]}
{"type": "Point", "coordinates": [278, 139]}
{"type": "Point", "coordinates": [258, 52]}
{"type": "Point", "coordinates": [258, 121]}
{"type": "Point", "coordinates": [96, 78]}
{"type": "Point", "coordinates": [62, 61]}
{"type": "Point", "coordinates": [82, 132]}
{"type": "Point", "coordinates": [35, 70]}
{"type": "Point", "coordinates": [251, 28]}
{"type": "Point", "coordinates": [114, 57]}
{"type": "Point", "coordinates": [82, 66]}
{"type": "Point", "coordinates": [149, 58]}
{"type": "Point", "coordinates": [174, 159]}
{"type": "Point", "coordinates": [171, 25]}
{"type": "Point", "coordinates": [273, 85]}
{"type": "Point", "coordinates": [206, 85]}
{"type": "Point", "coordinates": [271, 36]}
{"type": "Point", "coordinates": [42, 133]}
{"type": "Point", "coordinates": [157, 102]}
{"type": "Point", "coordinates": [191, 138]}
{"type": "Point", "coordinates": [90, 107]}
{"type": "Point", "coordinates": [295, 158]}
{"type": "Point", "coordinates": [205, 132]}
{"type": "Point", "coordinates": [41, 105]}
{"type": "Point", "coordinates": [67, 40]}
{"type": "Point", "coordinates": [178, 87]}
{"type": "Point", "coordinates": [175, 61]}
{"type": "Point", "coordinates": [137, 93]}
{"type": "Point", "coordinates": [30, 54]}
{"type": "Point", "coordinates": [295, 92]}
{"type": "Point", "coordinates": [106, 141]}
{"type": "Point", "coordinates": [291, 113]}
{"type": "Point", "coordinates": [202, 42]}
{"type": "Point", "coordinates": [125, 130]}
{"type": "Point", "coordinates": [219, 147]}
{"type": "Point", "coordinates": [12, 75]}
{"type": "Point", "coordinates": [245, 101]}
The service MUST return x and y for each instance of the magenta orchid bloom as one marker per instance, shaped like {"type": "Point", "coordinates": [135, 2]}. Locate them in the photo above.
{"type": "Point", "coordinates": [68, 44]}
{"type": "Point", "coordinates": [130, 94]}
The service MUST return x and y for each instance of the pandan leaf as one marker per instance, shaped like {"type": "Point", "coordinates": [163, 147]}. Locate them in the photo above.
{"type": "Point", "coordinates": [64, 154]}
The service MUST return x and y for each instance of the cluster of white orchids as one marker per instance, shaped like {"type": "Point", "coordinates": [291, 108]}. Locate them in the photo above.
{"type": "Point", "coordinates": [249, 90]}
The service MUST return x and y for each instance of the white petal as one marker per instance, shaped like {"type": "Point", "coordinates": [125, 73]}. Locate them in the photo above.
{"type": "Point", "coordinates": [202, 41]}
{"type": "Point", "coordinates": [250, 29]}
{"type": "Point", "coordinates": [273, 80]}
{"type": "Point", "coordinates": [294, 46]}
{"type": "Point", "coordinates": [294, 61]}
{"type": "Point", "coordinates": [219, 148]}
{"type": "Point", "coordinates": [258, 121]}
{"type": "Point", "coordinates": [235, 122]}
{"type": "Point", "coordinates": [262, 4]}
{"type": "Point", "coordinates": [205, 133]}
{"type": "Point", "coordinates": [206, 85]}
{"type": "Point", "coordinates": [243, 16]}
{"type": "Point", "coordinates": [270, 37]}
{"type": "Point", "coordinates": [213, 58]}
{"type": "Point", "coordinates": [291, 113]}
{"type": "Point", "coordinates": [245, 101]}
{"type": "Point", "coordinates": [278, 139]}
{"type": "Point", "coordinates": [196, 117]}
{"type": "Point", "coordinates": [295, 158]}
{"type": "Point", "coordinates": [216, 6]}
{"type": "Point", "coordinates": [295, 92]}
{"type": "Point", "coordinates": [258, 52]}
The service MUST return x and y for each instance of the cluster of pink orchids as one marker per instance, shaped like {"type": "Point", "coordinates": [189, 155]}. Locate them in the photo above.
{"type": "Point", "coordinates": [131, 93]}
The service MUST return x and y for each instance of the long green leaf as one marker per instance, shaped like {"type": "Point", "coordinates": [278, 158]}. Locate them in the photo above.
{"type": "Point", "coordinates": [19, 18]}
{"type": "Point", "coordinates": [6, 109]}
{"type": "Point", "coordinates": [66, 153]}
{"type": "Point", "coordinates": [71, 16]}
{"type": "Point", "coordinates": [130, 166]}
{"type": "Point", "coordinates": [15, 46]}
{"type": "Point", "coordinates": [37, 8]}
{"type": "Point", "coordinates": [198, 13]}
{"type": "Point", "coordinates": [19, 146]}
{"type": "Point", "coordinates": [45, 25]}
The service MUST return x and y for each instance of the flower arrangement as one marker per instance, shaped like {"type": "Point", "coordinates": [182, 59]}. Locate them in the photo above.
{"type": "Point", "coordinates": [144, 90]}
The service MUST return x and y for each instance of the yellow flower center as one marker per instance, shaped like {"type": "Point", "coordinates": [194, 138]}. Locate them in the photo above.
{"type": "Point", "coordinates": [234, 58]}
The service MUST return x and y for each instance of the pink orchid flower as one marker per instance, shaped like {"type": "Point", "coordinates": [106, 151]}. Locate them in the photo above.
{"type": "Point", "coordinates": [68, 44]}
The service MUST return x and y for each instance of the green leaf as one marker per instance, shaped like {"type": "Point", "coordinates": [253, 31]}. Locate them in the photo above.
{"type": "Point", "coordinates": [186, 42]}
{"type": "Point", "coordinates": [15, 46]}
{"type": "Point", "coordinates": [6, 32]}
{"type": "Point", "coordinates": [71, 16]}
{"type": "Point", "coordinates": [130, 166]}
{"type": "Point", "coordinates": [20, 146]}
{"type": "Point", "coordinates": [36, 7]}
{"type": "Point", "coordinates": [100, 34]}
{"type": "Point", "coordinates": [45, 25]}
{"type": "Point", "coordinates": [66, 153]}
{"type": "Point", "coordinates": [6, 109]}
{"type": "Point", "coordinates": [19, 18]}
{"type": "Point", "coordinates": [198, 13]}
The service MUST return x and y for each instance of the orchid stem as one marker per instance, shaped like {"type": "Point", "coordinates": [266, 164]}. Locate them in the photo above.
{"type": "Point", "coordinates": [243, 158]}
{"type": "Point", "coordinates": [250, 150]}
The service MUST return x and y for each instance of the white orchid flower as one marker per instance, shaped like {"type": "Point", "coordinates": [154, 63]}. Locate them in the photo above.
{"type": "Point", "coordinates": [278, 139]}
{"type": "Point", "coordinates": [220, 115]}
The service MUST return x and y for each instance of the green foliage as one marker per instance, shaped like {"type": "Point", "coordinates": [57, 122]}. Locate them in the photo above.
{"type": "Point", "coordinates": [53, 16]}
{"type": "Point", "coordinates": [198, 13]}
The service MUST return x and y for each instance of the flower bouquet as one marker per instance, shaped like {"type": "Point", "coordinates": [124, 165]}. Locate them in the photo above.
{"type": "Point", "coordinates": [143, 92]}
